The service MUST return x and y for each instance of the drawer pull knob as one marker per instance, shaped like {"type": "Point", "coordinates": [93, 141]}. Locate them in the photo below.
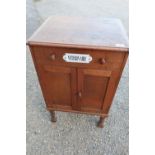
{"type": "Point", "coordinates": [52, 56]}
{"type": "Point", "coordinates": [80, 94]}
{"type": "Point", "coordinates": [103, 61]}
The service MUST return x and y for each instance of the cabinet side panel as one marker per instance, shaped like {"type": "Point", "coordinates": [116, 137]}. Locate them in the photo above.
{"type": "Point", "coordinates": [112, 87]}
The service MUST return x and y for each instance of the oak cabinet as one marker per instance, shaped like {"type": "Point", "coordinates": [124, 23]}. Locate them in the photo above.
{"type": "Point", "coordinates": [79, 68]}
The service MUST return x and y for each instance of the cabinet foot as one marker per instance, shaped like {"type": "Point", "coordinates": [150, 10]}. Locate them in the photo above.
{"type": "Point", "coordinates": [53, 116]}
{"type": "Point", "coordinates": [101, 122]}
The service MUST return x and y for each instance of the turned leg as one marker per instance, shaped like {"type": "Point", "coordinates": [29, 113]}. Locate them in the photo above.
{"type": "Point", "coordinates": [101, 121]}
{"type": "Point", "coordinates": [53, 117]}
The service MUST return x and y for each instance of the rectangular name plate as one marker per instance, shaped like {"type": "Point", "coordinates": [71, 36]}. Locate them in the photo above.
{"type": "Point", "coordinates": [77, 58]}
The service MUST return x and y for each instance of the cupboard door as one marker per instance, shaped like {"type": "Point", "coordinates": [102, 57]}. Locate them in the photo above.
{"type": "Point", "coordinates": [59, 86]}
{"type": "Point", "coordinates": [92, 87]}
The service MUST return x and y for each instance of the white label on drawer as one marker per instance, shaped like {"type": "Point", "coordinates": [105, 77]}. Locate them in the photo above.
{"type": "Point", "coordinates": [77, 58]}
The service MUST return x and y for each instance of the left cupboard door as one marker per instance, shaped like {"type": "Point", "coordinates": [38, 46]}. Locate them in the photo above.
{"type": "Point", "coordinates": [58, 86]}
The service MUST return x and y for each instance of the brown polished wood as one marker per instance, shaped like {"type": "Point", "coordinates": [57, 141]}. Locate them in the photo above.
{"type": "Point", "coordinates": [53, 116]}
{"type": "Point", "coordinates": [87, 88]}
{"type": "Point", "coordinates": [101, 121]}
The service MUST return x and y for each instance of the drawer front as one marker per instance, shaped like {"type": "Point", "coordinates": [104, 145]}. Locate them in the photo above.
{"type": "Point", "coordinates": [100, 59]}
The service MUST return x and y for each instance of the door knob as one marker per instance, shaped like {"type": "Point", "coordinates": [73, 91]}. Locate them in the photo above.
{"type": "Point", "coordinates": [52, 56]}
{"type": "Point", "coordinates": [102, 61]}
{"type": "Point", "coordinates": [80, 94]}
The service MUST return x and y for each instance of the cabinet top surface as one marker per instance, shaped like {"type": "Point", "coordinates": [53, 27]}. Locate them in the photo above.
{"type": "Point", "coordinates": [79, 32]}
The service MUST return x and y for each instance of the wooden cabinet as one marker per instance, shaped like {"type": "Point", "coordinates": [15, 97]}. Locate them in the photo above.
{"type": "Point", "coordinates": [69, 82]}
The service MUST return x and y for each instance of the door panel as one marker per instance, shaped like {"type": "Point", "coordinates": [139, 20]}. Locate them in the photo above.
{"type": "Point", "coordinates": [59, 86]}
{"type": "Point", "coordinates": [92, 84]}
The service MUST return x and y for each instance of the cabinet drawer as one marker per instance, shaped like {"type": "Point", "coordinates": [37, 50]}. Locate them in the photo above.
{"type": "Point", "coordinates": [100, 59]}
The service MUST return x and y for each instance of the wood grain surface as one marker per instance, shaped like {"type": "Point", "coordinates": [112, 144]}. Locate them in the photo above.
{"type": "Point", "coordinates": [78, 32]}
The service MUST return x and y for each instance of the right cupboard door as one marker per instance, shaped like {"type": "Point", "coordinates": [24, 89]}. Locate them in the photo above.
{"type": "Point", "coordinates": [92, 87]}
